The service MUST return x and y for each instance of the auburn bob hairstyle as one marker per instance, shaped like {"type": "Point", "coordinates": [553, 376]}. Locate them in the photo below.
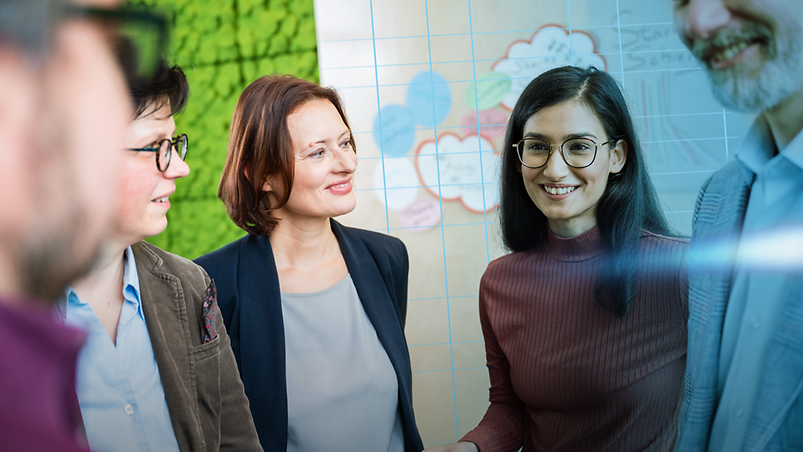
{"type": "Point", "coordinates": [261, 149]}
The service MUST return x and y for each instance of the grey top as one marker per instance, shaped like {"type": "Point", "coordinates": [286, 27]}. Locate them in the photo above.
{"type": "Point", "coordinates": [342, 392]}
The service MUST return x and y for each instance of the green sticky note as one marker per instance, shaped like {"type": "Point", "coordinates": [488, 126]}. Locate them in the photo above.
{"type": "Point", "coordinates": [488, 91]}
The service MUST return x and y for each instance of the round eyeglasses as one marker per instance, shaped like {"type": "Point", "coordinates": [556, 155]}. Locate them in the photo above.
{"type": "Point", "coordinates": [164, 150]}
{"type": "Point", "coordinates": [576, 152]}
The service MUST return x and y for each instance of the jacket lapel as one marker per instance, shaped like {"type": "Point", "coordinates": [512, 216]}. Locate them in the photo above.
{"type": "Point", "coordinates": [262, 349]}
{"type": "Point", "coordinates": [374, 295]}
{"type": "Point", "coordinates": [164, 307]}
{"type": "Point", "coordinates": [717, 224]}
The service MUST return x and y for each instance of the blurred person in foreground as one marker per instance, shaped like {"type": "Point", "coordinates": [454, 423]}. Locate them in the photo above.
{"type": "Point", "coordinates": [63, 119]}
{"type": "Point", "coordinates": [315, 310]}
{"type": "Point", "coordinates": [157, 371]}
{"type": "Point", "coordinates": [745, 363]}
{"type": "Point", "coordinates": [585, 322]}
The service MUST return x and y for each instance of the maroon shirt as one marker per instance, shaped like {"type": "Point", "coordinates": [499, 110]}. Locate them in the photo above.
{"type": "Point", "coordinates": [567, 374]}
{"type": "Point", "coordinates": [38, 406]}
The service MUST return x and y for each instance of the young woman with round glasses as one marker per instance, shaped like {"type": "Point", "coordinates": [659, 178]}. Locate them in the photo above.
{"type": "Point", "coordinates": [585, 322]}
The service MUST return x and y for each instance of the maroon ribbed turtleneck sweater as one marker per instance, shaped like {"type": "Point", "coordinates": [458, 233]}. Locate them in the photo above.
{"type": "Point", "coordinates": [567, 374]}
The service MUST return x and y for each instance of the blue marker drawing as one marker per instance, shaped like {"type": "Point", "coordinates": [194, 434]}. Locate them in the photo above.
{"type": "Point", "coordinates": [396, 133]}
{"type": "Point", "coordinates": [429, 98]}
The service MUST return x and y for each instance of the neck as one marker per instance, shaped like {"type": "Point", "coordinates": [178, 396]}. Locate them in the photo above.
{"type": "Point", "coordinates": [302, 243]}
{"type": "Point", "coordinates": [571, 228]}
{"type": "Point", "coordinates": [106, 275]}
{"type": "Point", "coordinates": [9, 282]}
{"type": "Point", "coordinates": [786, 120]}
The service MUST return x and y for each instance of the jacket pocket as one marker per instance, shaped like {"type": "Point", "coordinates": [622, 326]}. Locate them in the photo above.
{"type": "Point", "coordinates": [206, 359]}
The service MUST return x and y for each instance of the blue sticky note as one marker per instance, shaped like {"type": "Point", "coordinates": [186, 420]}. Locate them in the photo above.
{"type": "Point", "coordinates": [396, 132]}
{"type": "Point", "coordinates": [429, 98]}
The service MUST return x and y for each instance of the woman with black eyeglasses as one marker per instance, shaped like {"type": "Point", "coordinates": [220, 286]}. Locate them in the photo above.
{"type": "Point", "coordinates": [157, 371]}
{"type": "Point", "coordinates": [585, 322]}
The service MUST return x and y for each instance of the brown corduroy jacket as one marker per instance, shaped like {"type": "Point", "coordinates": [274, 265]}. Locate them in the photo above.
{"type": "Point", "coordinates": [208, 407]}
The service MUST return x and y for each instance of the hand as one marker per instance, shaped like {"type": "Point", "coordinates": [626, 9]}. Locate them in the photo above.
{"type": "Point", "coordinates": [462, 446]}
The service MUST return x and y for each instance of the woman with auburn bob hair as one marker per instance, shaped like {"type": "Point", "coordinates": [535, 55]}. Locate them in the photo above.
{"type": "Point", "coordinates": [585, 322]}
{"type": "Point", "coordinates": [315, 310]}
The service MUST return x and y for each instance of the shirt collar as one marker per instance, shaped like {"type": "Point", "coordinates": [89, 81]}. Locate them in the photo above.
{"type": "Point", "coordinates": [131, 280]}
{"type": "Point", "coordinates": [131, 291]}
{"type": "Point", "coordinates": [758, 147]}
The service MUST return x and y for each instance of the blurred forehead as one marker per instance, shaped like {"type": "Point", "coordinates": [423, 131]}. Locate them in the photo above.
{"type": "Point", "coordinates": [106, 3]}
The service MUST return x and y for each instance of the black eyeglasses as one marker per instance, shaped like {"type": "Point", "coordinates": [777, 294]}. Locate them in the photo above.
{"type": "Point", "coordinates": [139, 38]}
{"type": "Point", "coordinates": [164, 150]}
{"type": "Point", "coordinates": [576, 152]}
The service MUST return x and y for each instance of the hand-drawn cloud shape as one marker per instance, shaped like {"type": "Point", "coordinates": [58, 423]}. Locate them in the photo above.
{"type": "Point", "coordinates": [395, 182]}
{"type": "Point", "coordinates": [551, 46]}
{"type": "Point", "coordinates": [468, 170]}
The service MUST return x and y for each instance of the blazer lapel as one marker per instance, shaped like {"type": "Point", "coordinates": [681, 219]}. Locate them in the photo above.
{"type": "Point", "coordinates": [719, 216]}
{"type": "Point", "coordinates": [164, 308]}
{"type": "Point", "coordinates": [374, 296]}
{"type": "Point", "coordinates": [262, 349]}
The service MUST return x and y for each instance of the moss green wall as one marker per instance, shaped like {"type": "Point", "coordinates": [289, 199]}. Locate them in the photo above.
{"type": "Point", "coordinates": [223, 45]}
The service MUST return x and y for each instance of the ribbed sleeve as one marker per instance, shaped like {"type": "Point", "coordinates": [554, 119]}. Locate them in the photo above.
{"type": "Point", "coordinates": [568, 374]}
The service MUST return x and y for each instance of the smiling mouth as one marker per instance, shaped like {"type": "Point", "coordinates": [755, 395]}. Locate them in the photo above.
{"type": "Point", "coordinates": [338, 186]}
{"type": "Point", "coordinates": [729, 44]}
{"type": "Point", "coordinates": [162, 199]}
{"type": "Point", "coordinates": [719, 55]}
{"type": "Point", "coordinates": [558, 190]}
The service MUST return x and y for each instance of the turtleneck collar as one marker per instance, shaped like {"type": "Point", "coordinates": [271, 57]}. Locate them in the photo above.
{"type": "Point", "coordinates": [578, 248]}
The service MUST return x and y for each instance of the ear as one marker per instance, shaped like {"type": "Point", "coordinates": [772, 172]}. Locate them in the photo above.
{"type": "Point", "coordinates": [618, 157]}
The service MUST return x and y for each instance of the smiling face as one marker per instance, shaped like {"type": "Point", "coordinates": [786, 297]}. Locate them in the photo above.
{"type": "Point", "coordinates": [568, 196]}
{"type": "Point", "coordinates": [751, 49]}
{"type": "Point", "coordinates": [143, 202]}
{"type": "Point", "coordinates": [325, 162]}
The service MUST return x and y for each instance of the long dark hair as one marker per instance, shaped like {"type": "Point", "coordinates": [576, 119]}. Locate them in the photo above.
{"type": "Point", "coordinates": [629, 204]}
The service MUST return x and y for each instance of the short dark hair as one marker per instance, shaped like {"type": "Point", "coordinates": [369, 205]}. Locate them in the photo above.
{"type": "Point", "coordinates": [627, 208]}
{"type": "Point", "coordinates": [168, 84]}
{"type": "Point", "coordinates": [260, 147]}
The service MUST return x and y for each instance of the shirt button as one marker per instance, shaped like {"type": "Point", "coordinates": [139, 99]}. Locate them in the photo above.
{"type": "Point", "coordinates": [129, 410]}
{"type": "Point", "coordinates": [755, 322]}
{"type": "Point", "coordinates": [738, 412]}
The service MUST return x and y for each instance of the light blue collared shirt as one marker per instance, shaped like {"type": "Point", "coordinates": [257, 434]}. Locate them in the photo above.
{"type": "Point", "coordinates": [757, 298]}
{"type": "Point", "coordinates": [119, 389]}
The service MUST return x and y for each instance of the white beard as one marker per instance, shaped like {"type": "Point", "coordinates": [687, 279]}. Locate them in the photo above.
{"type": "Point", "coordinates": [764, 84]}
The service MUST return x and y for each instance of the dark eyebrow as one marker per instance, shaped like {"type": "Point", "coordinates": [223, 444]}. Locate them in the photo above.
{"type": "Point", "coordinates": [347, 132]}
{"type": "Point", "coordinates": [570, 136]}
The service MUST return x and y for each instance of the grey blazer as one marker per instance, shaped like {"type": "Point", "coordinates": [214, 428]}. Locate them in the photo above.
{"type": "Point", "coordinates": [777, 419]}
{"type": "Point", "coordinates": [204, 393]}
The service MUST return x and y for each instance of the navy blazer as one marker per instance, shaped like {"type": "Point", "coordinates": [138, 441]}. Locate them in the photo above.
{"type": "Point", "coordinates": [249, 297]}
